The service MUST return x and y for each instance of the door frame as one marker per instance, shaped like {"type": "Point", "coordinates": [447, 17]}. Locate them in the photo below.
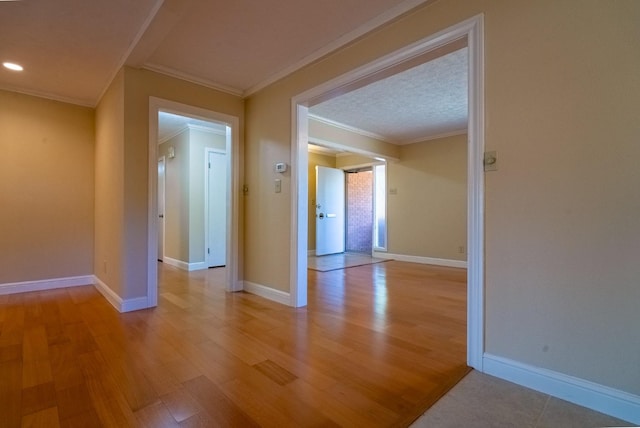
{"type": "Point", "coordinates": [232, 280]}
{"type": "Point", "coordinates": [164, 205]}
{"type": "Point", "coordinates": [207, 245]}
{"type": "Point", "coordinates": [471, 29]}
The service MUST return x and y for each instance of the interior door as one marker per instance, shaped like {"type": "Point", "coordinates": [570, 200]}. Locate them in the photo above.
{"type": "Point", "coordinates": [330, 212]}
{"type": "Point", "coordinates": [216, 209]}
{"type": "Point", "coordinates": [161, 204]}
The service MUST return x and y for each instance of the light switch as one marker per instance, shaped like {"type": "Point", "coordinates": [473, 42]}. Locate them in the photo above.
{"type": "Point", "coordinates": [490, 161]}
{"type": "Point", "coordinates": [278, 183]}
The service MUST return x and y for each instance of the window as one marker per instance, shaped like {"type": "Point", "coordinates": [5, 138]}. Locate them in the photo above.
{"type": "Point", "coordinates": [380, 207]}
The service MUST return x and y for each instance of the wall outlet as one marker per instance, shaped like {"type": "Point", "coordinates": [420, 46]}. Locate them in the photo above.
{"type": "Point", "coordinates": [461, 249]}
{"type": "Point", "coordinates": [393, 191]}
{"type": "Point", "coordinates": [104, 267]}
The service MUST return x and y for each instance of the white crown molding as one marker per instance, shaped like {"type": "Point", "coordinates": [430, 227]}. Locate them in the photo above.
{"type": "Point", "coordinates": [349, 128]}
{"type": "Point", "coordinates": [434, 137]}
{"type": "Point", "coordinates": [48, 96]}
{"type": "Point", "coordinates": [201, 128]}
{"type": "Point", "coordinates": [172, 135]}
{"type": "Point", "coordinates": [125, 56]}
{"type": "Point", "coordinates": [384, 18]}
{"type": "Point", "coordinates": [579, 391]}
{"type": "Point", "coordinates": [167, 71]}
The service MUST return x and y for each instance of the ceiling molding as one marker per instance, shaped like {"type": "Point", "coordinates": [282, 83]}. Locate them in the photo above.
{"type": "Point", "coordinates": [433, 137]}
{"type": "Point", "coordinates": [382, 19]}
{"type": "Point", "coordinates": [48, 96]}
{"type": "Point", "coordinates": [193, 127]}
{"type": "Point", "coordinates": [125, 56]}
{"type": "Point", "coordinates": [349, 128]}
{"type": "Point", "coordinates": [172, 135]}
{"type": "Point", "coordinates": [189, 78]}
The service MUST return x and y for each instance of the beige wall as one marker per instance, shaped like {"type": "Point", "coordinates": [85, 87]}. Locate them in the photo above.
{"type": "Point", "coordinates": [428, 213]}
{"type": "Point", "coordinates": [562, 224]}
{"type": "Point", "coordinates": [199, 141]}
{"type": "Point", "coordinates": [46, 189]}
{"type": "Point", "coordinates": [131, 165]}
{"type": "Point", "coordinates": [184, 193]}
{"type": "Point", "coordinates": [315, 159]}
{"type": "Point", "coordinates": [177, 205]}
{"type": "Point", "coordinates": [109, 186]}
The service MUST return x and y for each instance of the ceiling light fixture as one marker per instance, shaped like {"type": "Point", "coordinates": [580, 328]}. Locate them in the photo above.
{"type": "Point", "coordinates": [12, 66]}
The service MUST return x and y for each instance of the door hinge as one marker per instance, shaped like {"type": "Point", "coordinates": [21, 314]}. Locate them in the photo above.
{"type": "Point", "coordinates": [208, 251]}
{"type": "Point", "coordinates": [209, 165]}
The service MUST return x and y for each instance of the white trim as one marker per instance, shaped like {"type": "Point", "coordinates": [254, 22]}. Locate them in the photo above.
{"type": "Point", "coordinates": [267, 292]}
{"type": "Point", "coordinates": [125, 56]}
{"type": "Point", "coordinates": [172, 72]}
{"type": "Point", "coordinates": [349, 128]}
{"type": "Point", "coordinates": [126, 305]}
{"type": "Point", "coordinates": [598, 397]}
{"type": "Point", "coordinates": [351, 150]}
{"type": "Point", "coordinates": [172, 135]}
{"type": "Point", "coordinates": [48, 96]}
{"type": "Point", "coordinates": [232, 280]}
{"type": "Point", "coordinates": [473, 30]}
{"type": "Point", "coordinates": [422, 260]}
{"type": "Point", "coordinates": [45, 284]}
{"type": "Point", "coordinates": [193, 127]}
{"type": "Point", "coordinates": [433, 137]}
{"type": "Point", "coordinates": [207, 172]}
{"type": "Point", "coordinates": [185, 265]}
{"type": "Point", "coordinates": [387, 16]}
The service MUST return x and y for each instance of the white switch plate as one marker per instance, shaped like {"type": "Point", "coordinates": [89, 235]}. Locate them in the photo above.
{"type": "Point", "coordinates": [278, 185]}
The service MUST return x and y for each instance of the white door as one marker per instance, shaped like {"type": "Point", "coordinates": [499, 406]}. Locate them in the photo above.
{"type": "Point", "coordinates": [161, 203]}
{"type": "Point", "coordinates": [330, 212]}
{"type": "Point", "coordinates": [216, 254]}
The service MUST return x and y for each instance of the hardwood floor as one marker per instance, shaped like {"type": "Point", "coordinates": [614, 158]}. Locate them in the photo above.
{"type": "Point", "coordinates": [376, 346]}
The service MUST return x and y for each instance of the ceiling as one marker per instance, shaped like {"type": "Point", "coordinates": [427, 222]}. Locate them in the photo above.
{"type": "Point", "coordinates": [72, 49]}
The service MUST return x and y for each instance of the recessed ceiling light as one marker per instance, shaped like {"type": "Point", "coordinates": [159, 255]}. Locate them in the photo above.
{"type": "Point", "coordinates": [12, 66]}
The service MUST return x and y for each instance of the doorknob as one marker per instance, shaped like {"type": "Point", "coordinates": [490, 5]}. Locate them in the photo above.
{"type": "Point", "coordinates": [321, 215]}
{"type": "Point", "coordinates": [161, 215]}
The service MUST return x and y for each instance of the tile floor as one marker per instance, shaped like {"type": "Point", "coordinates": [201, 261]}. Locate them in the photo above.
{"type": "Point", "coordinates": [483, 401]}
{"type": "Point", "coordinates": [340, 261]}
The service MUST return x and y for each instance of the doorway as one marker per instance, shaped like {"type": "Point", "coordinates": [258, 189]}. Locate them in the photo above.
{"type": "Point", "coordinates": [472, 32]}
{"type": "Point", "coordinates": [161, 207]}
{"type": "Point", "coordinates": [232, 199]}
{"type": "Point", "coordinates": [359, 189]}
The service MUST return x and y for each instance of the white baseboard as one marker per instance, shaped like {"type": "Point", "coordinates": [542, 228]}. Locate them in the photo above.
{"type": "Point", "coordinates": [601, 398]}
{"type": "Point", "coordinates": [422, 260]}
{"type": "Point", "coordinates": [184, 265]}
{"type": "Point", "coordinates": [267, 292]}
{"type": "Point", "coordinates": [121, 305]}
{"type": "Point", "coordinates": [45, 284]}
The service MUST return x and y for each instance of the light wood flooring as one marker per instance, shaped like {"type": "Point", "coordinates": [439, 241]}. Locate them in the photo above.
{"type": "Point", "coordinates": [375, 347]}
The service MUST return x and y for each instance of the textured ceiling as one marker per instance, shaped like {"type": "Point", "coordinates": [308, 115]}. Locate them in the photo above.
{"type": "Point", "coordinates": [420, 103]}
{"type": "Point", "coordinates": [71, 49]}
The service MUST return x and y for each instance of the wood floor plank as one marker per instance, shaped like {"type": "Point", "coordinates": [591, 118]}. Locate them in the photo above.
{"type": "Point", "coordinates": [375, 347]}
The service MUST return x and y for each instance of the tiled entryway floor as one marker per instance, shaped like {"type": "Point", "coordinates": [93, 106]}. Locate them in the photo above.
{"type": "Point", "coordinates": [483, 401]}
{"type": "Point", "coordinates": [340, 261]}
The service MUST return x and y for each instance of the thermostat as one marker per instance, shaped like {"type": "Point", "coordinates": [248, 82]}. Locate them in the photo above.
{"type": "Point", "coordinates": [281, 167]}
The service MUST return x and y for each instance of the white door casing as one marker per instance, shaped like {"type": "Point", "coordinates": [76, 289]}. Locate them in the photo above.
{"type": "Point", "coordinates": [161, 207]}
{"type": "Point", "coordinates": [330, 211]}
{"type": "Point", "coordinates": [473, 30]}
{"type": "Point", "coordinates": [216, 208]}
